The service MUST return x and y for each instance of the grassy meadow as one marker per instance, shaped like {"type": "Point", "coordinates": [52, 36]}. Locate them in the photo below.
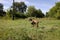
{"type": "Point", "coordinates": [21, 29]}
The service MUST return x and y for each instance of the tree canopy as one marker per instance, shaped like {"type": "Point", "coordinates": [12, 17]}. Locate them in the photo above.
{"type": "Point", "coordinates": [54, 11]}
{"type": "Point", "coordinates": [2, 13]}
{"type": "Point", "coordinates": [1, 6]}
{"type": "Point", "coordinates": [19, 9]}
{"type": "Point", "coordinates": [20, 6]}
{"type": "Point", "coordinates": [33, 12]}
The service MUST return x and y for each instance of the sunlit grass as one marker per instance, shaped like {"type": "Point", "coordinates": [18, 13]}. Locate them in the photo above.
{"type": "Point", "coordinates": [21, 29]}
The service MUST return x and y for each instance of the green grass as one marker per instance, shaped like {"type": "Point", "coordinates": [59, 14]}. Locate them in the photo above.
{"type": "Point", "coordinates": [22, 30]}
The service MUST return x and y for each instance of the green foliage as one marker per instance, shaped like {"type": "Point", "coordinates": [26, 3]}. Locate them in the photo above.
{"type": "Point", "coordinates": [16, 14]}
{"type": "Point", "coordinates": [2, 13]}
{"type": "Point", "coordinates": [18, 11]}
{"type": "Point", "coordinates": [1, 6]}
{"type": "Point", "coordinates": [20, 15]}
{"type": "Point", "coordinates": [39, 14]}
{"type": "Point", "coordinates": [33, 12]}
{"type": "Point", "coordinates": [58, 14]}
{"type": "Point", "coordinates": [54, 11]}
{"type": "Point", "coordinates": [20, 6]}
{"type": "Point", "coordinates": [47, 14]}
{"type": "Point", "coordinates": [9, 13]}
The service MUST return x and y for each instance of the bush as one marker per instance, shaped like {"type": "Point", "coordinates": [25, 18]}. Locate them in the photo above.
{"type": "Point", "coordinates": [20, 15]}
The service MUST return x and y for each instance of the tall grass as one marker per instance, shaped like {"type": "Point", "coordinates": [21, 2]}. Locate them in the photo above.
{"type": "Point", "coordinates": [21, 29]}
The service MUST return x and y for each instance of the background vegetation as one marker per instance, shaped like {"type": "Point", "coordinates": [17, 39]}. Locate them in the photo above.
{"type": "Point", "coordinates": [21, 29]}
{"type": "Point", "coordinates": [20, 10]}
{"type": "Point", "coordinates": [54, 11]}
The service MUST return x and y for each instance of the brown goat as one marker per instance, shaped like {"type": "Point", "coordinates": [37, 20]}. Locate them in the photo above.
{"type": "Point", "coordinates": [34, 22]}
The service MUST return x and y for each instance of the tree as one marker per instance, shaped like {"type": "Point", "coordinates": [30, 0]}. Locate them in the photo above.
{"type": "Point", "coordinates": [20, 6]}
{"type": "Point", "coordinates": [1, 6]}
{"type": "Point", "coordinates": [20, 15]}
{"type": "Point", "coordinates": [16, 9]}
{"type": "Point", "coordinates": [2, 13]}
{"type": "Point", "coordinates": [33, 12]}
{"type": "Point", "coordinates": [14, 13]}
{"type": "Point", "coordinates": [1, 9]}
{"type": "Point", "coordinates": [58, 14]}
{"type": "Point", "coordinates": [47, 14]}
{"type": "Point", "coordinates": [39, 14]}
{"type": "Point", "coordinates": [54, 11]}
{"type": "Point", "coordinates": [9, 13]}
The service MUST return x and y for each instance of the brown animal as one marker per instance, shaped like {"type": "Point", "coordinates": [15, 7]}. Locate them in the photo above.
{"type": "Point", "coordinates": [34, 22]}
